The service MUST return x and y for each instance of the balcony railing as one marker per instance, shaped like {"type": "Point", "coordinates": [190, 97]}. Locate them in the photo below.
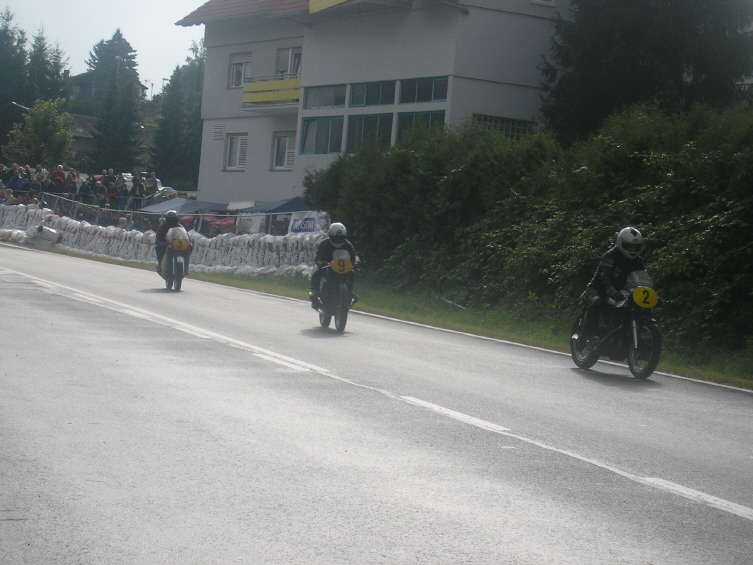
{"type": "Point", "coordinates": [274, 90]}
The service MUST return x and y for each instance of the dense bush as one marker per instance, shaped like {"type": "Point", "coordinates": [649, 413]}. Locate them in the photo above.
{"type": "Point", "coordinates": [492, 222]}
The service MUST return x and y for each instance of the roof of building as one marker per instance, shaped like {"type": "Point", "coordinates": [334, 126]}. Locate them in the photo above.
{"type": "Point", "coordinates": [224, 9]}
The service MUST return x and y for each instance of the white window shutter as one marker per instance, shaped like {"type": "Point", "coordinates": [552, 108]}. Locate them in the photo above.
{"type": "Point", "coordinates": [242, 150]}
{"type": "Point", "coordinates": [290, 155]}
{"type": "Point", "coordinates": [218, 131]}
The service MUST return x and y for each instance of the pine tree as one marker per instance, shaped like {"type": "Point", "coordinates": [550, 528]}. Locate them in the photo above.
{"type": "Point", "coordinates": [176, 151]}
{"type": "Point", "coordinates": [46, 69]}
{"type": "Point", "coordinates": [13, 73]}
{"type": "Point", "coordinates": [118, 92]}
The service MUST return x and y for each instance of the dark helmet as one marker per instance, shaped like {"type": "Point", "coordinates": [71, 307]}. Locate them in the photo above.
{"type": "Point", "coordinates": [337, 233]}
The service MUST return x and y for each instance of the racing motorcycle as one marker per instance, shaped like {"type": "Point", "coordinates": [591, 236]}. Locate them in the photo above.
{"type": "Point", "coordinates": [175, 263]}
{"type": "Point", "coordinates": [623, 329]}
{"type": "Point", "coordinates": [335, 298]}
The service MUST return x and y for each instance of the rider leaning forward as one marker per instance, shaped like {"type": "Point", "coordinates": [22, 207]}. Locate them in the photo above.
{"type": "Point", "coordinates": [325, 250]}
{"type": "Point", "coordinates": [611, 275]}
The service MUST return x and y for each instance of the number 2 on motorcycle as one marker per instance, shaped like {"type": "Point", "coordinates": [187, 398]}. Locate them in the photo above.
{"type": "Point", "coordinates": [341, 265]}
{"type": "Point", "coordinates": [645, 297]}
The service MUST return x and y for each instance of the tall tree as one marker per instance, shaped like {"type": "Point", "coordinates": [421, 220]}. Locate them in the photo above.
{"type": "Point", "coordinates": [45, 136]}
{"type": "Point", "coordinates": [13, 73]}
{"type": "Point", "coordinates": [46, 70]}
{"type": "Point", "coordinates": [177, 144]}
{"type": "Point", "coordinates": [610, 55]}
{"type": "Point", "coordinates": [115, 54]}
{"type": "Point", "coordinates": [118, 93]}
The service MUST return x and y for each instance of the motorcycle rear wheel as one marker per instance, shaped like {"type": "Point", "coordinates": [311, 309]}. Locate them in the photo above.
{"type": "Point", "coordinates": [643, 360]}
{"type": "Point", "coordinates": [583, 356]}
{"type": "Point", "coordinates": [168, 282]}
{"type": "Point", "coordinates": [325, 319]}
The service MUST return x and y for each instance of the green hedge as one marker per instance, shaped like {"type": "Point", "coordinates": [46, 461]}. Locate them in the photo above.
{"type": "Point", "coordinates": [492, 222]}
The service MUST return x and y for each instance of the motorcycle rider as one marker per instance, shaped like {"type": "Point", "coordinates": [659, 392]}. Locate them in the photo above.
{"type": "Point", "coordinates": [336, 239]}
{"type": "Point", "coordinates": [611, 276]}
{"type": "Point", "coordinates": [169, 220]}
{"type": "Point", "coordinates": [617, 263]}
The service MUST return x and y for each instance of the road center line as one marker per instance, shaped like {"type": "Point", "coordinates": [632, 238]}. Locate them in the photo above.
{"type": "Point", "coordinates": [661, 484]}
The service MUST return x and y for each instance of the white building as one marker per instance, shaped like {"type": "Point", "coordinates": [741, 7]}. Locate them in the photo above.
{"type": "Point", "coordinates": [290, 84]}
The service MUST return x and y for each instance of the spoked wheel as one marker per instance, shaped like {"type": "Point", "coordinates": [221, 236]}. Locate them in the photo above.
{"type": "Point", "coordinates": [583, 355]}
{"type": "Point", "coordinates": [644, 359]}
{"type": "Point", "coordinates": [325, 319]}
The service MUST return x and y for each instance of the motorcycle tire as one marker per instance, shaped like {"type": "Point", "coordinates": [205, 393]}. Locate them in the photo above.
{"type": "Point", "coordinates": [178, 271]}
{"type": "Point", "coordinates": [325, 319]}
{"type": "Point", "coordinates": [343, 306]}
{"type": "Point", "coordinates": [583, 356]}
{"type": "Point", "coordinates": [341, 318]}
{"type": "Point", "coordinates": [168, 282]}
{"type": "Point", "coordinates": [643, 360]}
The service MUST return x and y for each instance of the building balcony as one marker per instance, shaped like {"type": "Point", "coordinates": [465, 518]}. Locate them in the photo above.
{"type": "Point", "coordinates": [276, 91]}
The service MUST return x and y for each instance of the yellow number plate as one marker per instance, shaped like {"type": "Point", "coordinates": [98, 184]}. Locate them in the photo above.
{"type": "Point", "coordinates": [341, 265]}
{"type": "Point", "coordinates": [645, 297]}
{"type": "Point", "coordinates": [180, 244]}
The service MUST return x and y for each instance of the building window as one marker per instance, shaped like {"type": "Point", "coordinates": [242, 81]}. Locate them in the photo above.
{"type": "Point", "coordinates": [514, 129]}
{"type": "Point", "coordinates": [241, 69]}
{"type": "Point", "coordinates": [288, 62]}
{"type": "Point", "coordinates": [375, 130]}
{"type": "Point", "coordinates": [372, 93]}
{"type": "Point", "coordinates": [324, 96]}
{"type": "Point", "coordinates": [414, 121]}
{"type": "Point", "coordinates": [236, 147]}
{"type": "Point", "coordinates": [322, 135]}
{"type": "Point", "coordinates": [423, 90]}
{"type": "Point", "coordinates": [283, 151]}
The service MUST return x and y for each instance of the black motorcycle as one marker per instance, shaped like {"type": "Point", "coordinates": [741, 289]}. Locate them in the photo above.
{"type": "Point", "coordinates": [619, 330]}
{"type": "Point", "coordinates": [175, 263]}
{"type": "Point", "coordinates": [335, 298]}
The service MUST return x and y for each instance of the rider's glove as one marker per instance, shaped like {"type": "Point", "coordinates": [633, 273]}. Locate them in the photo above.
{"type": "Point", "coordinates": [615, 294]}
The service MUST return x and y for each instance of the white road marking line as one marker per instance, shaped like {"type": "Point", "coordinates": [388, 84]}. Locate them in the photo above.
{"type": "Point", "coordinates": [297, 367]}
{"type": "Point", "coordinates": [459, 416]}
{"type": "Point", "coordinates": [661, 484]}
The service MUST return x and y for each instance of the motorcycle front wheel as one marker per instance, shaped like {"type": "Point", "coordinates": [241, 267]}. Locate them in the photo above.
{"type": "Point", "coordinates": [168, 282]}
{"type": "Point", "coordinates": [583, 356]}
{"type": "Point", "coordinates": [341, 313]}
{"type": "Point", "coordinates": [324, 319]}
{"type": "Point", "coordinates": [178, 270]}
{"type": "Point", "coordinates": [642, 360]}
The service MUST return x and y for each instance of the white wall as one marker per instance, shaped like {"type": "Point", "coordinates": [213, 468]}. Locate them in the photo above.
{"type": "Point", "coordinates": [490, 54]}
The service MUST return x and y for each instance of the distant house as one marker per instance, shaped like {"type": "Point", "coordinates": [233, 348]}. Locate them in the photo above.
{"type": "Point", "coordinates": [85, 126]}
{"type": "Point", "coordinates": [291, 84]}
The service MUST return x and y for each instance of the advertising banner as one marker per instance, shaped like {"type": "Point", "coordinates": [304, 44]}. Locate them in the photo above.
{"type": "Point", "coordinates": [308, 221]}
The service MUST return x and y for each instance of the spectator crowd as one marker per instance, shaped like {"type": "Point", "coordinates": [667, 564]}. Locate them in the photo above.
{"type": "Point", "coordinates": [122, 191]}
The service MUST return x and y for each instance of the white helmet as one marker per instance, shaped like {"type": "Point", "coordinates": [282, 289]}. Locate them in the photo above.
{"type": "Point", "coordinates": [337, 234]}
{"type": "Point", "coordinates": [629, 242]}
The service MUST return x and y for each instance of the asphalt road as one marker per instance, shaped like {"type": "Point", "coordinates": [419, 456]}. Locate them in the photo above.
{"type": "Point", "coordinates": [222, 426]}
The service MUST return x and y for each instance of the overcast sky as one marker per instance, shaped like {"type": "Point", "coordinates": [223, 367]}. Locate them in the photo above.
{"type": "Point", "coordinates": [148, 25]}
